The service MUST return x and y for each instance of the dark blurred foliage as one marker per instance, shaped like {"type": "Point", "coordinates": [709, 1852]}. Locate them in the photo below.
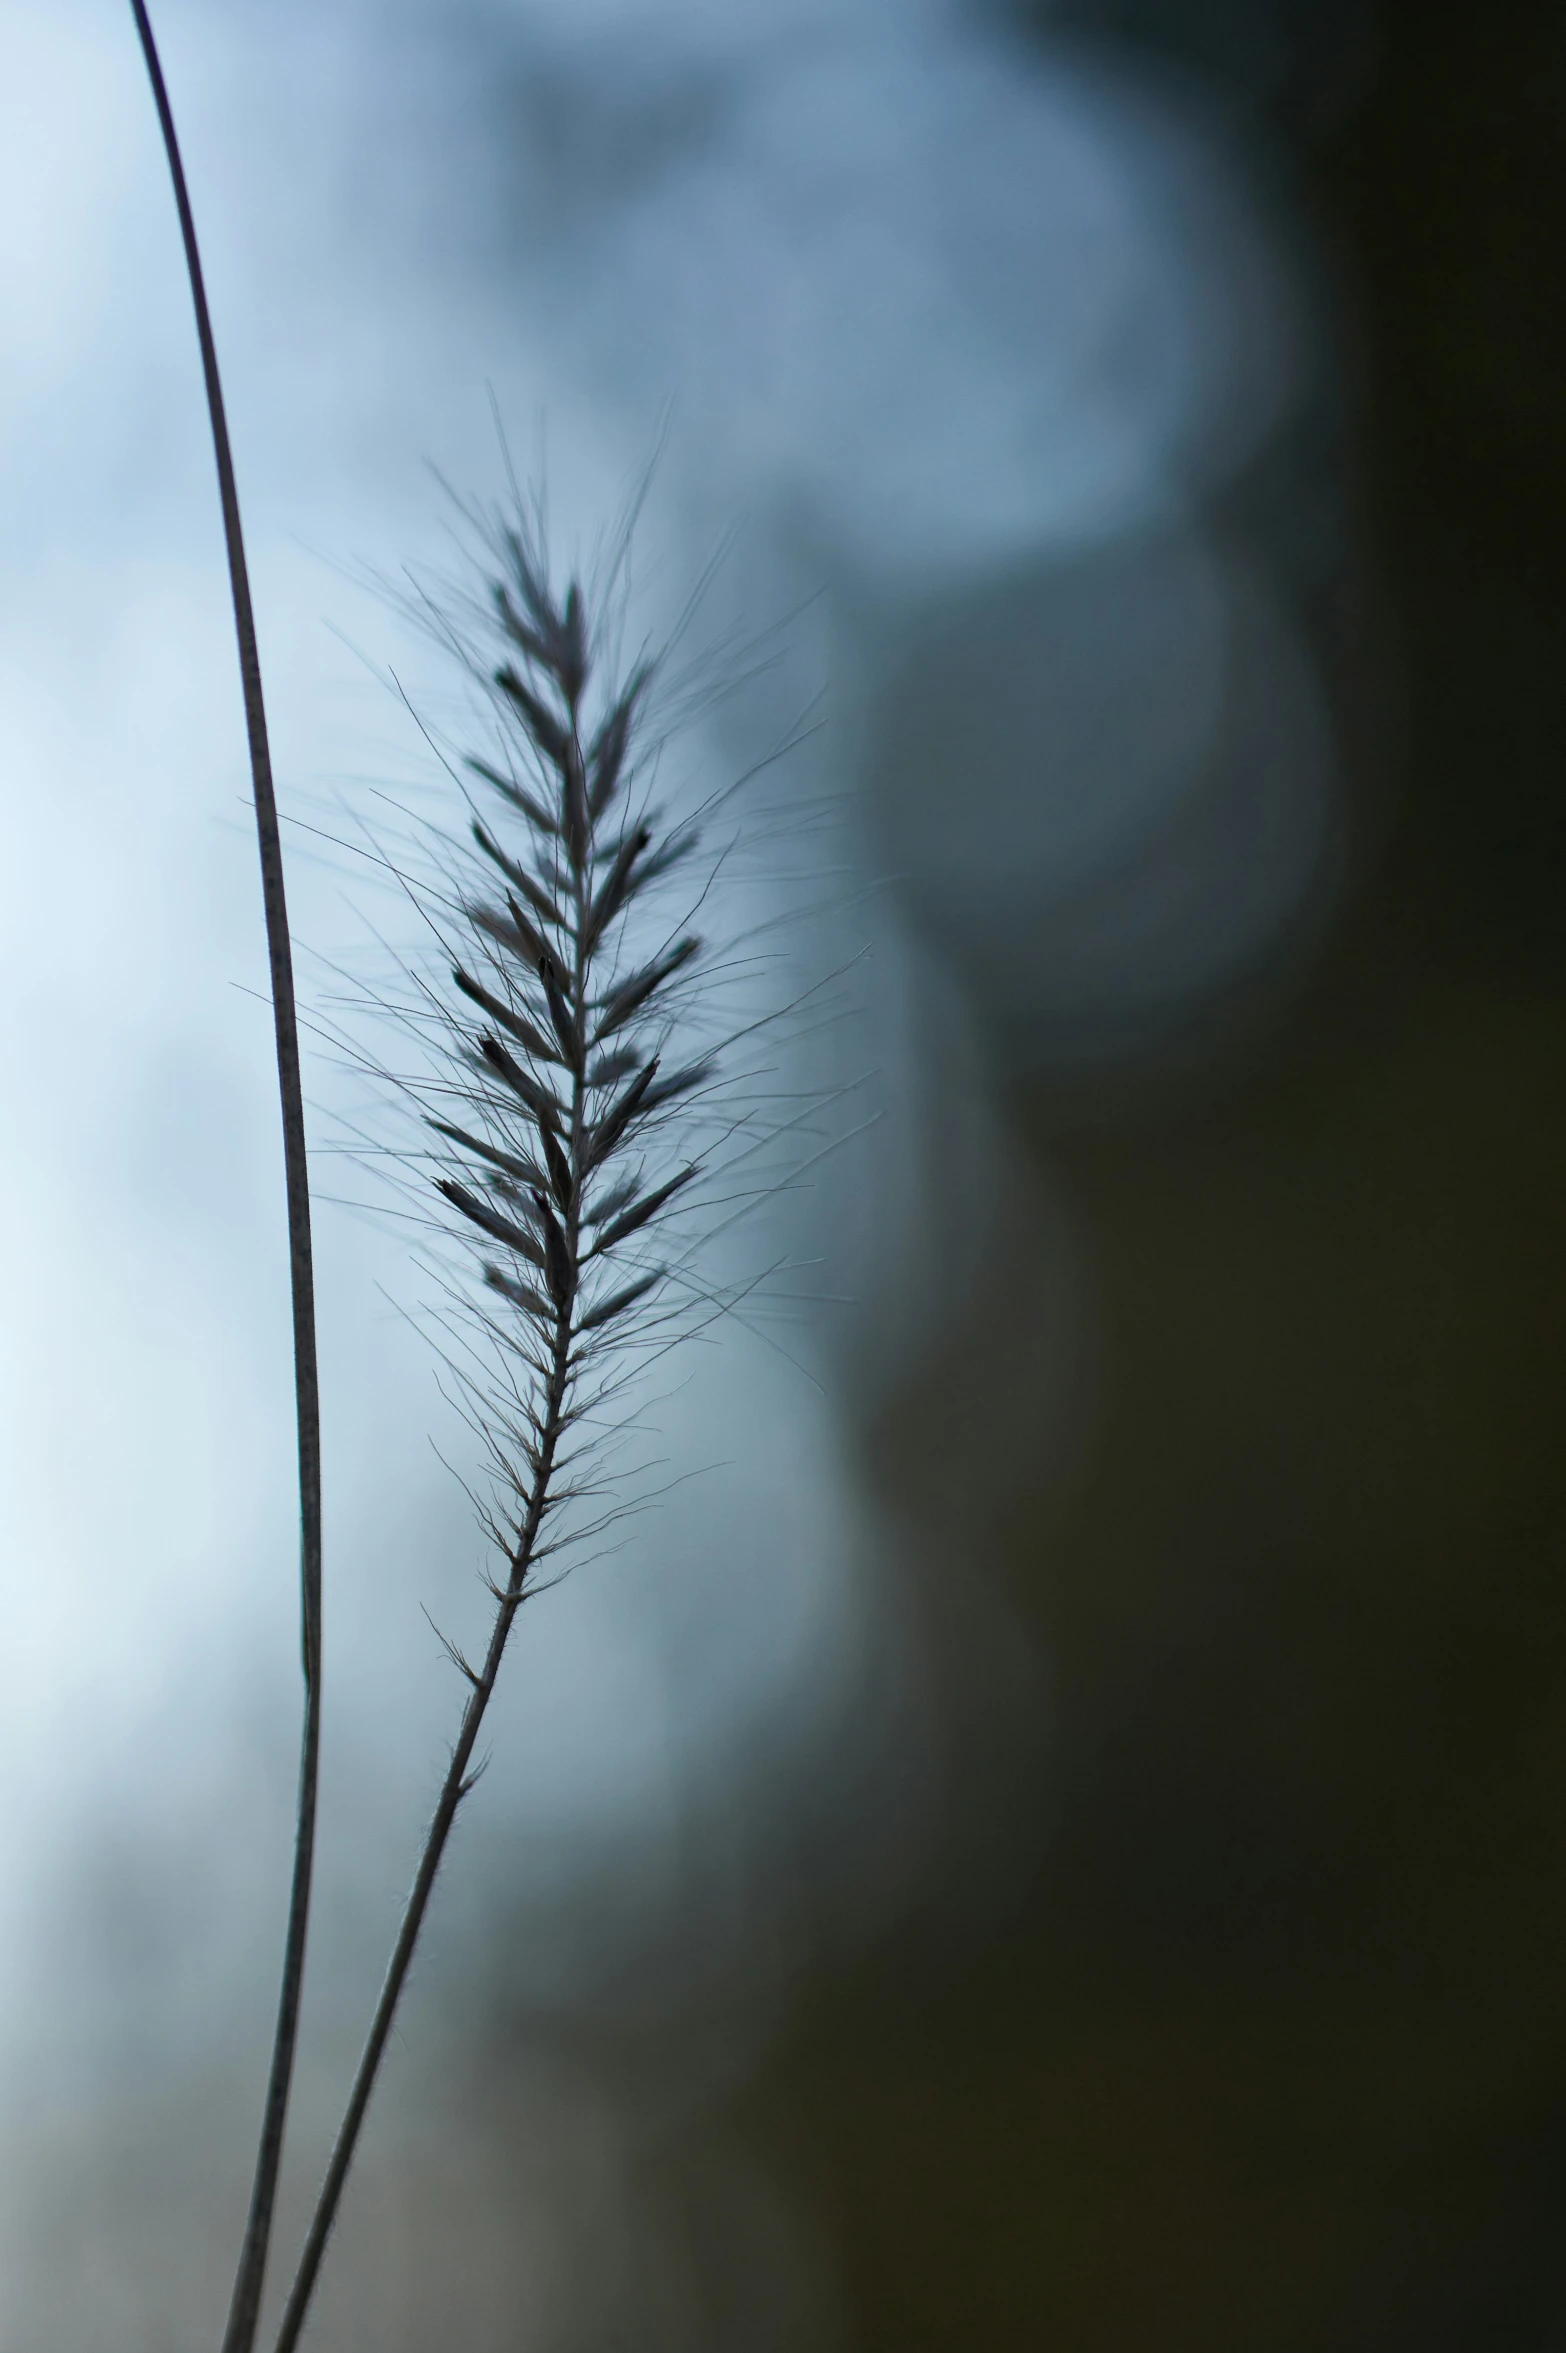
{"type": "Point", "coordinates": [1272, 2049]}
{"type": "Point", "coordinates": [1300, 62]}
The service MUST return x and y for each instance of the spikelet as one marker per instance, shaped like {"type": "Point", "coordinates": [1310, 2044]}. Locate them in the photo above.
{"type": "Point", "coordinates": [564, 1163]}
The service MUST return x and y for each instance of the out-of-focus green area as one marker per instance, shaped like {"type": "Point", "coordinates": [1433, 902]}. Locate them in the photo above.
{"type": "Point", "coordinates": [1272, 2053]}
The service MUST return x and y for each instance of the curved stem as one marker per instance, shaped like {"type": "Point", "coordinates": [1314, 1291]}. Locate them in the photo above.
{"type": "Point", "coordinates": [245, 2309]}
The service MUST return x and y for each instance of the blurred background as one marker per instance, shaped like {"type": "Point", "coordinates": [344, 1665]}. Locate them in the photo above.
{"type": "Point", "coordinates": [1057, 1835]}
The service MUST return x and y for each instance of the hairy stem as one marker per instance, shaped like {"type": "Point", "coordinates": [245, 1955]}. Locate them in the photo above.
{"type": "Point", "coordinates": [459, 1775]}
{"type": "Point", "coordinates": [246, 2304]}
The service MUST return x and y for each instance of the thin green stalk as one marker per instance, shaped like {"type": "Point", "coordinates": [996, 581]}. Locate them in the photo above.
{"type": "Point", "coordinates": [246, 2305]}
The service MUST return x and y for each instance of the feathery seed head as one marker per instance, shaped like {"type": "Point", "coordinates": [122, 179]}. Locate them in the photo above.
{"type": "Point", "coordinates": [559, 1027]}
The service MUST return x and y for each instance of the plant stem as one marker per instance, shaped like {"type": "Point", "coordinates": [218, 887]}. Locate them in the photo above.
{"type": "Point", "coordinates": [459, 1778]}
{"type": "Point", "coordinates": [454, 1789]}
{"type": "Point", "coordinates": [245, 2308]}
